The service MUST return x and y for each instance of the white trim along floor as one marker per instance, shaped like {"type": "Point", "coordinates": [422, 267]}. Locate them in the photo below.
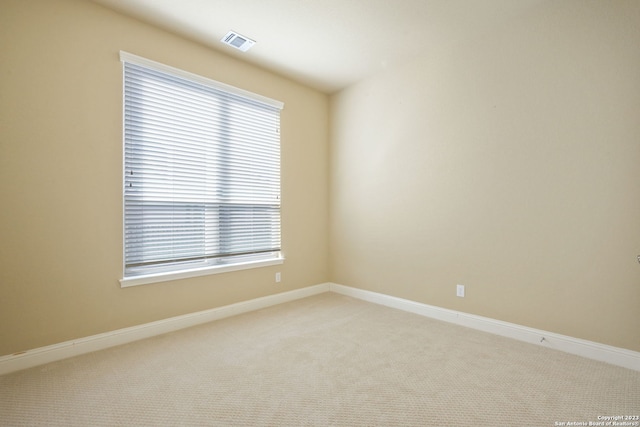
{"type": "Point", "coordinates": [592, 350]}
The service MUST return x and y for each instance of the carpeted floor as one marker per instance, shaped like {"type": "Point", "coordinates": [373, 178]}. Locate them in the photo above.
{"type": "Point", "coordinates": [324, 360]}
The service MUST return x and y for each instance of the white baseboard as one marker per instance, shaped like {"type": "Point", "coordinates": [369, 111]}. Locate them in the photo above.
{"type": "Point", "coordinates": [52, 353]}
{"type": "Point", "coordinates": [39, 356]}
{"type": "Point", "coordinates": [592, 350]}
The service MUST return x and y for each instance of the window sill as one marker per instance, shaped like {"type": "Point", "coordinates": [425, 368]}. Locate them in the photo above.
{"type": "Point", "coordinates": [184, 274]}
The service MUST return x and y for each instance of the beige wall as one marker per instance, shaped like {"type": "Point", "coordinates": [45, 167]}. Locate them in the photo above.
{"type": "Point", "coordinates": [61, 166]}
{"type": "Point", "coordinates": [510, 164]}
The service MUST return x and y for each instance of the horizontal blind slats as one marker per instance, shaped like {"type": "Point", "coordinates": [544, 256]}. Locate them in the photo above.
{"type": "Point", "coordinates": [202, 173]}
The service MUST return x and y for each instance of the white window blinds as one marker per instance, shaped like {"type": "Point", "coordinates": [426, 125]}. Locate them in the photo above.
{"type": "Point", "coordinates": [202, 171]}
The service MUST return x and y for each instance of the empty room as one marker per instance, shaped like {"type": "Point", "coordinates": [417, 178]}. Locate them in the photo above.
{"type": "Point", "coordinates": [319, 212]}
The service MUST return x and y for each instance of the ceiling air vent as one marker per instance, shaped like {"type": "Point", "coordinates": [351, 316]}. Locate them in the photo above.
{"type": "Point", "coordinates": [238, 41]}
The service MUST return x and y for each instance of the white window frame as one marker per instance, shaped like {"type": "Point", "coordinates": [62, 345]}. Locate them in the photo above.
{"type": "Point", "coordinates": [160, 274]}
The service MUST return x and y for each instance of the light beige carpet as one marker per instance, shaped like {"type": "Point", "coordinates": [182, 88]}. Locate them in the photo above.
{"type": "Point", "coordinates": [324, 360]}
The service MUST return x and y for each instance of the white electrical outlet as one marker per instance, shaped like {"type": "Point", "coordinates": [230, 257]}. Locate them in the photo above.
{"type": "Point", "coordinates": [278, 277]}
{"type": "Point", "coordinates": [460, 291]}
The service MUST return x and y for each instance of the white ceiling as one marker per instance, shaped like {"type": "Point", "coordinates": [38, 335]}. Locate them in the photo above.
{"type": "Point", "coordinates": [327, 44]}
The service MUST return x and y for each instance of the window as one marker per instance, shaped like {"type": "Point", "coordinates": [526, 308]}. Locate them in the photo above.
{"type": "Point", "coordinates": [201, 175]}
